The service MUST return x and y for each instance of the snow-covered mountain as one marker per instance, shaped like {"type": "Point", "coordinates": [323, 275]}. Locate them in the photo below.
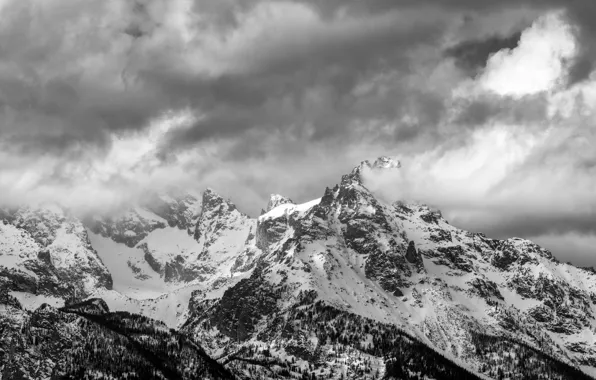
{"type": "Point", "coordinates": [348, 285]}
{"type": "Point", "coordinates": [45, 251]}
{"type": "Point", "coordinates": [159, 255]}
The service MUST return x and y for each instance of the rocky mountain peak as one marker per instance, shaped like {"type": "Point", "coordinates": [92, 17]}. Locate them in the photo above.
{"type": "Point", "coordinates": [385, 162]}
{"type": "Point", "coordinates": [381, 163]}
{"type": "Point", "coordinates": [46, 250]}
{"type": "Point", "coordinates": [213, 201]}
{"type": "Point", "coordinates": [178, 208]}
{"type": "Point", "coordinates": [277, 200]}
{"type": "Point", "coordinates": [41, 221]}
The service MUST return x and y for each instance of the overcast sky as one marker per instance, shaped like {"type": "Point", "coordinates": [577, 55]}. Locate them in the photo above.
{"type": "Point", "coordinates": [489, 105]}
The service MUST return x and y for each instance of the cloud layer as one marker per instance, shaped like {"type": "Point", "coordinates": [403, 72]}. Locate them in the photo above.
{"type": "Point", "coordinates": [489, 104]}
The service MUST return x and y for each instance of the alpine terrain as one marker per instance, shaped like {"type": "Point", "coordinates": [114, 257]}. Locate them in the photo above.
{"type": "Point", "coordinates": [347, 286]}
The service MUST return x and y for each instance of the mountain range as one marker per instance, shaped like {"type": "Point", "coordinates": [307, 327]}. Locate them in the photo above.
{"type": "Point", "coordinates": [346, 286]}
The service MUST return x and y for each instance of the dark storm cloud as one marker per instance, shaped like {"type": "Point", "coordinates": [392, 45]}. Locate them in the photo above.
{"type": "Point", "coordinates": [582, 12]}
{"type": "Point", "coordinates": [472, 56]}
{"type": "Point", "coordinates": [478, 111]}
{"type": "Point", "coordinates": [292, 70]}
{"type": "Point", "coordinates": [278, 91]}
{"type": "Point", "coordinates": [337, 58]}
{"type": "Point", "coordinates": [48, 101]}
{"type": "Point", "coordinates": [534, 224]}
{"type": "Point", "coordinates": [152, 81]}
{"type": "Point", "coordinates": [61, 113]}
{"type": "Point", "coordinates": [574, 248]}
{"type": "Point", "coordinates": [146, 79]}
{"type": "Point", "coordinates": [319, 113]}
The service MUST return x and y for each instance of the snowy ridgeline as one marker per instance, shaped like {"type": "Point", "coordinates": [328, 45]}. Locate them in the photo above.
{"type": "Point", "coordinates": [345, 285]}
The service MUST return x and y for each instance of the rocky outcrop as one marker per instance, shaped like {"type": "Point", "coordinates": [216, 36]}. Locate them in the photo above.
{"type": "Point", "coordinates": [180, 270]}
{"type": "Point", "coordinates": [96, 306]}
{"type": "Point", "coordinates": [455, 257]}
{"type": "Point", "coordinates": [217, 214]}
{"type": "Point", "coordinates": [518, 252]}
{"type": "Point", "coordinates": [271, 231]}
{"type": "Point", "coordinates": [221, 229]}
{"type": "Point", "coordinates": [412, 254]}
{"type": "Point", "coordinates": [486, 289]}
{"type": "Point", "coordinates": [243, 305]}
{"type": "Point", "coordinates": [277, 200]}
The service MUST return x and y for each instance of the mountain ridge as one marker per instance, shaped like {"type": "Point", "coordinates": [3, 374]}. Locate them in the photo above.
{"type": "Point", "coordinates": [239, 284]}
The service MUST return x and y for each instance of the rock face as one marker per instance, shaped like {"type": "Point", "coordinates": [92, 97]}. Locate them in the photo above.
{"type": "Point", "coordinates": [178, 209]}
{"type": "Point", "coordinates": [344, 286]}
{"type": "Point", "coordinates": [221, 232]}
{"type": "Point", "coordinates": [242, 305]}
{"type": "Point", "coordinates": [277, 200]}
{"type": "Point", "coordinates": [157, 211]}
{"type": "Point", "coordinates": [399, 265]}
{"type": "Point", "coordinates": [43, 250]}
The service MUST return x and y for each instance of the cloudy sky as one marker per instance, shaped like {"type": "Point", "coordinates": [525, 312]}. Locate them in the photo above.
{"type": "Point", "coordinates": [489, 105]}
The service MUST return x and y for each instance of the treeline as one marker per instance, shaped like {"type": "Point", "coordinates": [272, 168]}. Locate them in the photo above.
{"type": "Point", "coordinates": [506, 358]}
{"type": "Point", "coordinates": [83, 342]}
{"type": "Point", "coordinates": [405, 357]}
{"type": "Point", "coordinates": [148, 348]}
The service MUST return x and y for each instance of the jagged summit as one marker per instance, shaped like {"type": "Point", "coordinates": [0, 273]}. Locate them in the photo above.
{"type": "Point", "coordinates": [381, 163]}
{"type": "Point", "coordinates": [212, 200]}
{"type": "Point", "coordinates": [385, 162]}
{"type": "Point", "coordinates": [277, 200]}
{"type": "Point", "coordinates": [209, 194]}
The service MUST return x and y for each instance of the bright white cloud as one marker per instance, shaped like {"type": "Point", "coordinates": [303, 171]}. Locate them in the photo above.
{"type": "Point", "coordinates": [513, 173]}
{"type": "Point", "coordinates": [98, 179]}
{"type": "Point", "coordinates": [137, 152]}
{"type": "Point", "coordinates": [462, 178]}
{"type": "Point", "coordinates": [537, 64]}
